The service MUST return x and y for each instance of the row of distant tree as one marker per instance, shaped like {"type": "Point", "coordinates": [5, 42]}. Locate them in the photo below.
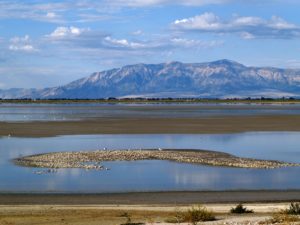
{"type": "Point", "coordinates": [154, 99]}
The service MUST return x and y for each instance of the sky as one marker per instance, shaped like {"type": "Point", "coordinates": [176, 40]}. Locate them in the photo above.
{"type": "Point", "coordinates": [50, 43]}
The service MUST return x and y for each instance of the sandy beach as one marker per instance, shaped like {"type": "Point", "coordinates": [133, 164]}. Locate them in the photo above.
{"type": "Point", "coordinates": [117, 214]}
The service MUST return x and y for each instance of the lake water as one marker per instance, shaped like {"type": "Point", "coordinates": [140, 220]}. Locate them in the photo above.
{"type": "Point", "coordinates": [153, 175]}
{"type": "Point", "coordinates": [52, 112]}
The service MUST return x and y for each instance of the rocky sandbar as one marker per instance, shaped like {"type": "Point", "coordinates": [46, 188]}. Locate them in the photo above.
{"type": "Point", "coordinates": [93, 159]}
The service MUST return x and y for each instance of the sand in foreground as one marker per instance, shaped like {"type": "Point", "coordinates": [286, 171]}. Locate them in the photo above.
{"type": "Point", "coordinates": [117, 214]}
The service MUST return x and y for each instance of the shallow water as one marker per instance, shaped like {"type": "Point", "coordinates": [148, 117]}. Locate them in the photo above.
{"type": "Point", "coordinates": [153, 175]}
{"type": "Point", "coordinates": [59, 112]}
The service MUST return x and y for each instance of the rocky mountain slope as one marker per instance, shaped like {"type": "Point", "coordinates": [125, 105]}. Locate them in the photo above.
{"type": "Point", "coordinates": [223, 78]}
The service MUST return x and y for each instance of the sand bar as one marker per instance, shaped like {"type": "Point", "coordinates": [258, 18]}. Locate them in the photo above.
{"type": "Point", "coordinates": [122, 125]}
{"type": "Point", "coordinates": [93, 159]}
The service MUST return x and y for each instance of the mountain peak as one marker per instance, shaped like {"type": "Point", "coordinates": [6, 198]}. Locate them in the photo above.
{"type": "Point", "coordinates": [227, 62]}
{"type": "Point", "coordinates": [173, 63]}
{"type": "Point", "coordinates": [220, 78]}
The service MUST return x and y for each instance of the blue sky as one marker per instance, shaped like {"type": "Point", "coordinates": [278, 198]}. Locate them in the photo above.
{"type": "Point", "coordinates": [49, 43]}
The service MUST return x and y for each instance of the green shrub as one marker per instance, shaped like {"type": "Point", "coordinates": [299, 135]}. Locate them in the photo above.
{"type": "Point", "coordinates": [294, 209]}
{"type": "Point", "coordinates": [239, 209]}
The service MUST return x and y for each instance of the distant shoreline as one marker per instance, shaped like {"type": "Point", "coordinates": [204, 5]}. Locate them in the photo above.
{"type": "Point", "coordinates": [146, 198]}
{"type": "Point", "coordinates": [261, 100]}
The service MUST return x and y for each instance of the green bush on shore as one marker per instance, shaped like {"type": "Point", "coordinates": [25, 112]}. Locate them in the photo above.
{"type": "Point", "coordinates": [240, 209]}
{"type": "Point", "coordinates": [294, 209]}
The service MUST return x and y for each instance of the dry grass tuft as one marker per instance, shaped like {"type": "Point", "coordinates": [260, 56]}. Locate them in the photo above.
{"type": "Point", "coordinates": [192, 215]}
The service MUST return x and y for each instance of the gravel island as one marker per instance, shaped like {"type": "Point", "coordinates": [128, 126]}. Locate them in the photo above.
{"type": "Point", "coordinates": [93, 159]}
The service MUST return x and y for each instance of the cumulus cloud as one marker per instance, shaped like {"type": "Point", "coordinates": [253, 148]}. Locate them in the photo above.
{"type": "Point", "coordinates": [160, 44]}
{"type": "Point", "coordinates": [206, 21]}
{"type": "Point", "coordinates": [191, 43]}
{"type": "Point", "coordinates": [84, 38]}
{"type": "Point", "coordinates": [247, 27]}
{"type": "Point", "coordinates": [21, 44]}
{"type": "Point", "coordinates": [123, 43]}
{"type": "Point", "coordinates": [63, 32]}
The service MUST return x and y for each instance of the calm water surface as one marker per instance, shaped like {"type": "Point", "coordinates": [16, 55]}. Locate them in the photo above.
{"type": "Point", "coordinates": [52, 112]}
{"type": "Point", "coordinates": [153, 175]}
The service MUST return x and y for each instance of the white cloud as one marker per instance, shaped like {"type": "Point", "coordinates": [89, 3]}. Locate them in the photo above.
{"type": "Point", "coordinates": [206, 21]}
{"type": "Point", "coordinates": [292, 63]}
{"type": "Point", "coordinates": [248, 27]}
{"type": "Point", "coordinates": [63, 32]}
{"type": "Point", "coordinates": [82, 10]}
{"type": "Point", "coordinates": [84, 38]}
{"type": "Point", "coordinates": [51, 15]}
{"type": "Point", "coordinates": [62, 11]}
{"type": "Point", "coordinates": [35, 11]}
{"type": "Point", "coordinates": [92, 17]}
{"type": "Point", "coordinates": [26, 48]}
{"type": "Point", "coordinates": [21, 44]}
{"type": "Point", "coordinates": [247, 36]}
{"type": "Point", "coordinates": [279, 23]}
{"type": "Point", "coordinates": [88, 39]}
{"type": "Point", "coordinates": [190, 43]}
{"type": "Point", "coordinates": [123, 43]}
{"type": "Point", "coordinates": [82, 44]}
{"type": "Point", "coordinates": [137, 32]}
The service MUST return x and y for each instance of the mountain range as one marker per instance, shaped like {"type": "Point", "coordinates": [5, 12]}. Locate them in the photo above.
{"type": "Point", "coordinates": [218, 79]}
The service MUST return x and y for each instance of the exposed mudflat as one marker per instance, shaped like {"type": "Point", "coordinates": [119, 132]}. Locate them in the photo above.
{"type": "Point", "coordinates": [93, 159]}
{"type": "Point", "coordinates": [171, 198]}
{"type": "Point", "coordinates": [151, 125]}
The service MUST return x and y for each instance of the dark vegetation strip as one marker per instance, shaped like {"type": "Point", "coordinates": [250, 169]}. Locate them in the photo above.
{"type": "Point", "coordinates": [154, 100]}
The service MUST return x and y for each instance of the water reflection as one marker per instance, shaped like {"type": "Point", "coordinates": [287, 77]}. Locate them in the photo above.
{"type": "Point", "coordinates": [153, 175]}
